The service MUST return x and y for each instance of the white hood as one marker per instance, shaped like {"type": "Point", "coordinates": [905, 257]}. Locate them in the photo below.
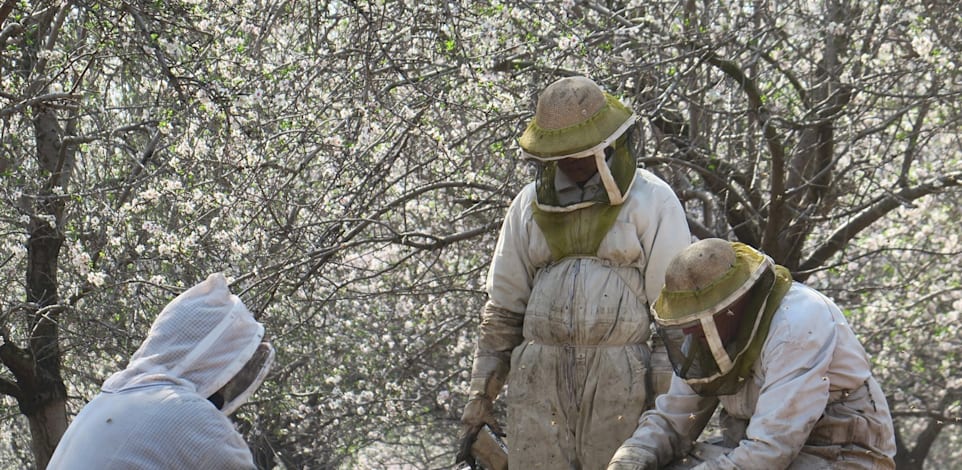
{"type": "Point", "coordinates": [201, 340]}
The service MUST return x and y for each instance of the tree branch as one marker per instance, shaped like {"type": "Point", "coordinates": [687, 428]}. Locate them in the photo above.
{"type": "Point", "coordinates": [911, 149]}
{"type": "Point", "coordinates": [774, 143]}
{"type": "Point", "coordinates": [843, 235]}
{"type": "Point", "coordinates": [18, 360]}
{"type": "Point", "coordinates": [158, 52]}
{"type": "Point", "coordinates": [48, 98]}
{"type": "Point", "coordinates": [9, 31]}
{"type": "Point", "coordinates": [10, 389]}
{"type": "Point", "coordinates": [5, 9]}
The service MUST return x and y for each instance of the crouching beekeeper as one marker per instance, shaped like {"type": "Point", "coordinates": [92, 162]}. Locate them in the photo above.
{"type": "Point", "coordinates": [581, 254]}
{"type": "Point", "coordinates": [202, 358]}
{"type": "Point", "coordinates": [794, 383]}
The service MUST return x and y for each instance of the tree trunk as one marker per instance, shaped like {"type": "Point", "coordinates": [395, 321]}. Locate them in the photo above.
{"type": "Point", "coordinates": [43, 394]}
{"type": "Point", "coordinates": [47, 425]}
{"type": "Point", "coordinates": [39, 389]}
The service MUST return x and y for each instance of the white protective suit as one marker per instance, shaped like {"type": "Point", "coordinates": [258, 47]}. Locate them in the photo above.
{"type": "Point", "coordinates": [577, 328]}
{"type": "Point", "coordinates": [155, 414]}
{"type": "Point", "coordinates": [813, 402]}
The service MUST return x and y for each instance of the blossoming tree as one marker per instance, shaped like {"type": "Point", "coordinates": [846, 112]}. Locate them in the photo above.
{"type": "Point", "coordinates": [347, 165]}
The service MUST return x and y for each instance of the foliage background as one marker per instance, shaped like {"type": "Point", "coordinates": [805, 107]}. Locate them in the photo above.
{"type": "Point", "coordinates": [347, 163]}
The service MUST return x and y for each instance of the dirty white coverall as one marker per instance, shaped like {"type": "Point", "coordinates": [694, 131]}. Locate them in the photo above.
{"type": "Point", "coordinates": [812, 403]}
{"type": "Point", "coordinates": [577, 328]}
{"type": "Point", "coordinates": [155, 414]}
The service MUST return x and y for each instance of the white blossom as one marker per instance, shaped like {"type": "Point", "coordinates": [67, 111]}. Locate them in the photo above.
{"type": "Point", "coordinates": [97, 278]}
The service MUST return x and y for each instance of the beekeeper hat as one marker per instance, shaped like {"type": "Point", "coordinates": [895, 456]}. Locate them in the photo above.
{"type": "Point", "coordinates": [708, 276]}
{"type": "Point", "coordinates": [714, 311]}
{"type": "Point", "coordinates": [576, 119]}
{"type": "Point", "coordinates": [573, 114]}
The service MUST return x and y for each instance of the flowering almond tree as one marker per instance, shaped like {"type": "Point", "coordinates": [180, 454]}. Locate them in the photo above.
{"type": "Point", "coordinates": [347, 165]}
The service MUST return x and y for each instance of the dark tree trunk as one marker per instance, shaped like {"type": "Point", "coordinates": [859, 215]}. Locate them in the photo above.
{"type": "Point", "coordinates": [42, 391]}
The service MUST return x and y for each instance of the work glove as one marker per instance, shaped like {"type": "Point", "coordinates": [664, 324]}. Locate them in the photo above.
{"type": "Point", "coordinates": [631, 457]}
{"type": "Point", "coordinates": [477, 412]}
{"type": "Point", "coordinates": [500, 332]}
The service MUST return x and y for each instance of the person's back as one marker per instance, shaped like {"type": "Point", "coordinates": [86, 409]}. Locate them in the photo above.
{"type": "Point", "coordinates": [157, 426]}
{"type": "Point", "coordinates": [202, 358]}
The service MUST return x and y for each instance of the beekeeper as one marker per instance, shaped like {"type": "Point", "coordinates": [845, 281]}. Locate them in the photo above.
{"type": "Point", "coordinates": [202, 358]}
{"type": "Point", "coordinates": [794, 382]}
{"type": "Point", "coordinates": [581, 255]}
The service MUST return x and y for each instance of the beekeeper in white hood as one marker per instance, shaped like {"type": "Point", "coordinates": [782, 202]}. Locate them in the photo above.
{"type": "Point", "coordinates": [202, 358]}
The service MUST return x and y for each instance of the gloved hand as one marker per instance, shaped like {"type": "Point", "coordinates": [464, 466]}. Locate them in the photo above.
{"type": "Point", "coordinates": [631, 457]}
{"type": "Point", "coordinates": [477, 412]}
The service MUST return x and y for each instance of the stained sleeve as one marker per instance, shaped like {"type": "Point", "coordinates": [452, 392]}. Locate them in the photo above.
{"type": "Point", "coordinates": [510, 278]}
{"type": "Point", "coordinates": [668, 430]}
{"type": "Point", "coordinates": [511, 273]}
{"type": "Point", "coordinates": [669, 235]}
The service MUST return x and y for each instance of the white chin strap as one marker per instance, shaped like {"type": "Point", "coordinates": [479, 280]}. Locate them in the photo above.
{"type": "Point", "coordinates": [715, 343]}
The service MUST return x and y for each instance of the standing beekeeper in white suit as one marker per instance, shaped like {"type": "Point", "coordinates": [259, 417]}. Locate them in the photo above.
{"type": "Point", "coordinates": [581, 256]}
{"type": "Point", "coordinates": [203, 357]}
{"type": "Point", "coordinates": [795, 384]}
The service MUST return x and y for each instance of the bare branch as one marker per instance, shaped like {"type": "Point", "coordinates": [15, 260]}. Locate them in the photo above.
{"type": "Point", "coordinates": [9, 31]}
{"type": "Point", "coordinates": [5, 10]}
{"type": "Point", "coordinates": [773, 140]}
{"type": "Point", "coordinates": [842, 236]}
{"type": "Point", "coordinates": [50, 99]}
{"type": "Point", "coordinates": [9, 388]}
